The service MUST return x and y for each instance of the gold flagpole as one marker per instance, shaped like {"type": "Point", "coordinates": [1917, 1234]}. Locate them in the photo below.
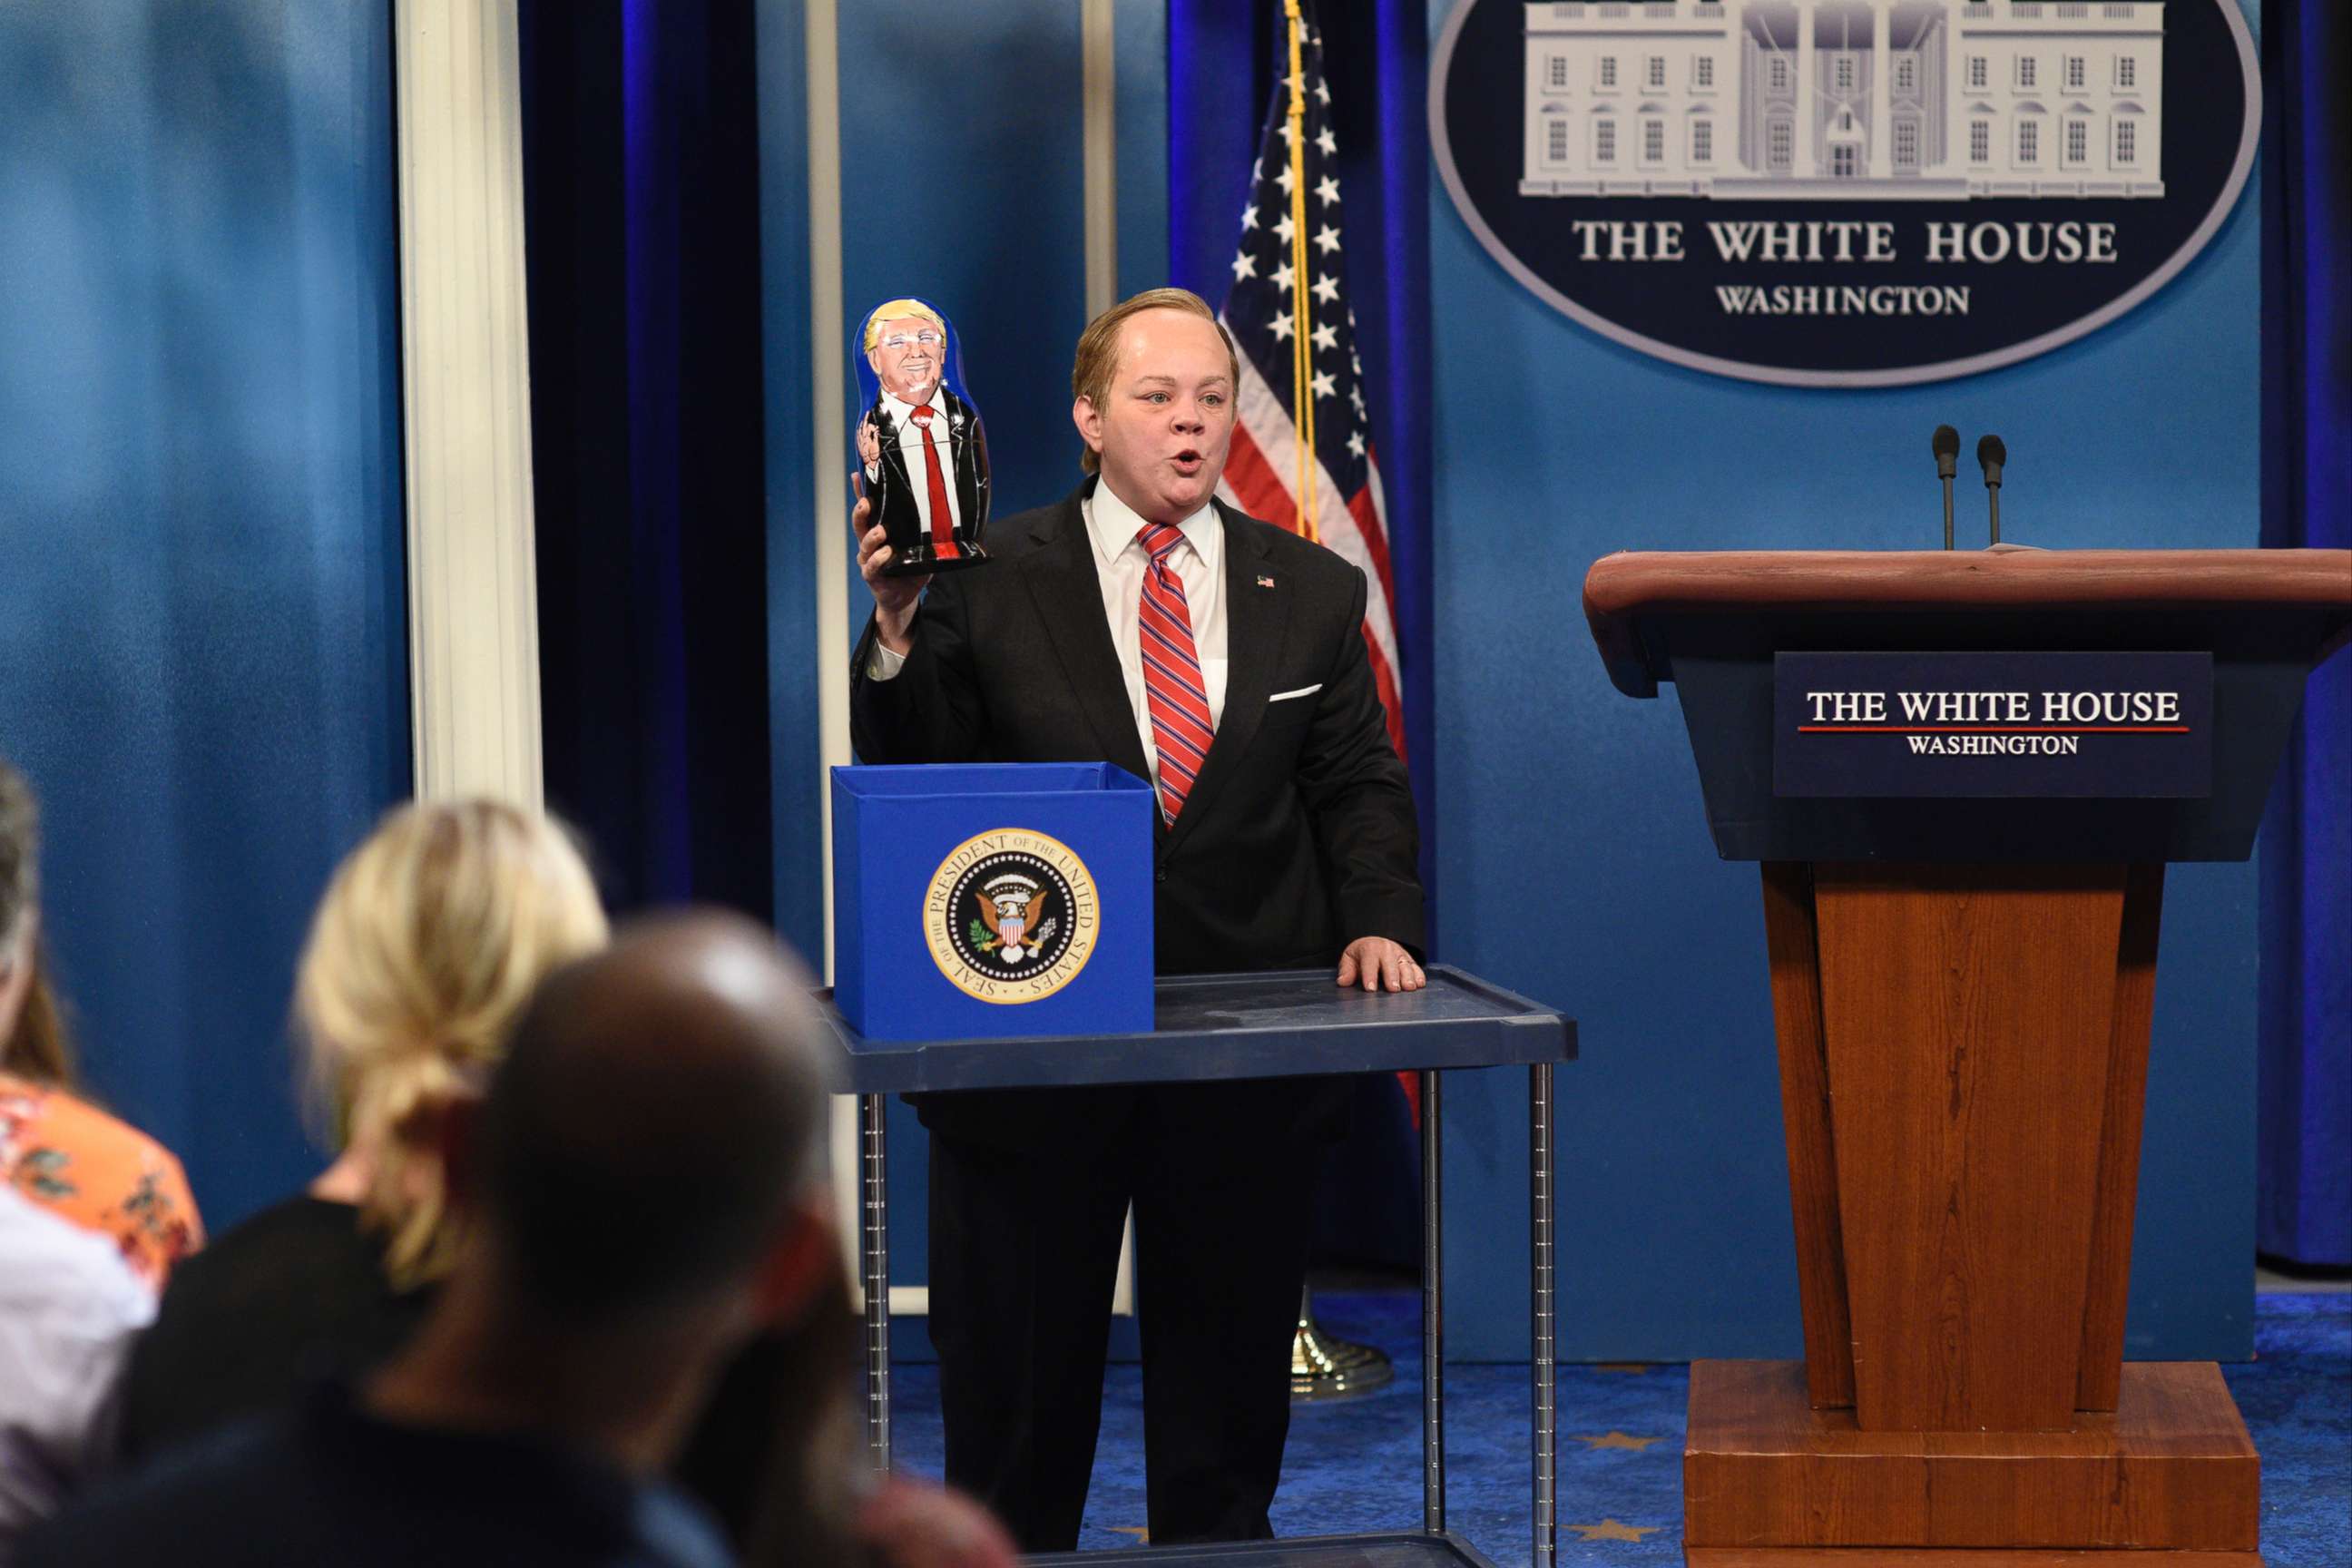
{"type": "Point", "coordinates": [1302, 386]}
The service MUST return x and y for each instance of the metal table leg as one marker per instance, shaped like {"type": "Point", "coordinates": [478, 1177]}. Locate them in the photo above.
{"type": "Point", "coordinates": [874, 1271]}
{"type": "Point", "coordinates": [1545, 1362]}
{"type": "Point", "coordinates": [1433, 1314]}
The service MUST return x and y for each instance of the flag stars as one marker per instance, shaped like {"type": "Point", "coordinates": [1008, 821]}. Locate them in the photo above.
{"type": "Point", "coordinates": [1326, 336]}
{"type": "Point", "coordinates": [1328, 142]}
{"type": "Point", "coordinates": [1284, 277]}
{"type": "Point", "coordinates": [1326, 288]}
{"type": "Point", "coordinates": [1283, 229]}
{"type": "Point", "coordinates": [1281, 326]}
{"type": "Point", "coordinates": [1322, 91]}
{"type": "Point", "coordinates": [1282, 178]}
{"type": "Point", "coordinates": [1327, 190]}
{"type": "Point", "coordinates": [1324, 385]}
{"type": "Point", "coordinates": [1326, 239]}
{"type": "Point", "coordinates": [1356, 397]}
{"type": "Point", "coordinates": [1245, 264]}
{"type": "Point", "coordinates": [1249, 218]}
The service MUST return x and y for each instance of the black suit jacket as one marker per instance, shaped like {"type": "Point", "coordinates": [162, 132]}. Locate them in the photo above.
{"type": "Point", "coordinates": [969, 459]}
{"type": "Point", "coordinates": [1298, 836]}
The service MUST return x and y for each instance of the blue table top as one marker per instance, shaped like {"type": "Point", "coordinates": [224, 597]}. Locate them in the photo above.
{"type": "Point", "coordinates": [1275, 1023]}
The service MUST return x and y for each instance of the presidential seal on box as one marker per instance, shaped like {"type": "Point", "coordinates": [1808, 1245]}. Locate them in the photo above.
{"type": "Point", "coordinates": [1010, 916]}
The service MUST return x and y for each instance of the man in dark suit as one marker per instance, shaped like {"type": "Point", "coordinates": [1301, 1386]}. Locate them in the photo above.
{"type": "Point", "coordinates": [925, 457]}
{"type": "Point", "coordinates": [1142, 623]}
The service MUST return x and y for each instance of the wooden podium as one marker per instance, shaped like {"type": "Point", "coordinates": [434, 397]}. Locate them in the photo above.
{"type": "Point", "coordinates": [1961, 992]}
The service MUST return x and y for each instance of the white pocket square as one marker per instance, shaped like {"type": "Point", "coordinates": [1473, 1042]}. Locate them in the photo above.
{"type": "Point", "coordinates": [1302, 692]}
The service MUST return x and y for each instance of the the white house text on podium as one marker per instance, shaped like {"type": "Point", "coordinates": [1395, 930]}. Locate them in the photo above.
{"type": "Point", "coordinates": [1878, 99]}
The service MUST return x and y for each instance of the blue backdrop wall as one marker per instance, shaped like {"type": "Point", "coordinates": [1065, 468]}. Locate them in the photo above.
{"type": "Point", "coordinates": [1575, 861]}
{"type": "Point", "coordinates": [202, 661]}
{"type": "Point", "coordinates": [1578, 867]}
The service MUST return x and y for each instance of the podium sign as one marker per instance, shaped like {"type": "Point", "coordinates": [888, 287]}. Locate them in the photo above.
{"type": "Point", "coordinates": [2017, 726]}
{"type": "Point", "coordinates": [992, 900]}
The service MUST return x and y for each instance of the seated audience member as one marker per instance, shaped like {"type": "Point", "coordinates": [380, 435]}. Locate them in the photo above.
{"type": "Point", "coordinates": [424, 951]}
{"type": "Point", "coordinates": [57, 1150]}
{"type": "Point", "coordinates": [69, 1307]}
{"type": "Point", "coordinates": [589, 1309]}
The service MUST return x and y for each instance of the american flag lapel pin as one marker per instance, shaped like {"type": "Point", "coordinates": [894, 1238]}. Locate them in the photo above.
{"type": "Point", "coordinates": [1266, 582]}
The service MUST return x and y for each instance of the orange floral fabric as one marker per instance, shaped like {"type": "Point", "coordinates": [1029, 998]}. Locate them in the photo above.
{"type": "Point", "coordinates": [103, 1174]}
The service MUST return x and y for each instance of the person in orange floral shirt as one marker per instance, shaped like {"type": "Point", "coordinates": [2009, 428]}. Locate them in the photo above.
{"type": "Point", "coordinates": [57, 1149]}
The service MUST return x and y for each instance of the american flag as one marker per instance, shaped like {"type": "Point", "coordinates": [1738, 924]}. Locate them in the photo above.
{"type": "Point", "coordinates": [1264, 312]}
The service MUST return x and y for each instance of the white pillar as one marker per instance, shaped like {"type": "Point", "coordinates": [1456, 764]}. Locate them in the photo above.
{"type": "Point", "coordinates": [1809, 151]}
{"type": "Point", "coordinates": [473, 642]}
{"type": "Point", "coordinates": [1881, 95]}
{"type": "Point", "coordinates": [1953, 73]}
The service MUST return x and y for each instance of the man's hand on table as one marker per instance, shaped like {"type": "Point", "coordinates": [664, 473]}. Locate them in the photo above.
{"type": "Point", "coordinates": [1379, 964]}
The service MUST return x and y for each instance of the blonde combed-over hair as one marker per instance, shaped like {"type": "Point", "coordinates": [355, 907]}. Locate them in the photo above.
{"type": "Point", "coordinates": [1097, 356]}
{"type": "Point", "coordinates": [430, 940]}
{"type": "Point", "coordinates": [899, 311]}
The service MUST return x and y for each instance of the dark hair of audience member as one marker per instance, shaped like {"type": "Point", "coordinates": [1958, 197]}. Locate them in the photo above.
{"type": "Point", "coordinates": [40, 1048]}
{"type": "Point", "coordinates": [630, 1163]}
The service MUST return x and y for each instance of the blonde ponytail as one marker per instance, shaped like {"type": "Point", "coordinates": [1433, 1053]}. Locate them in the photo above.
{"type": "Point", "coordinates": [428, 942]}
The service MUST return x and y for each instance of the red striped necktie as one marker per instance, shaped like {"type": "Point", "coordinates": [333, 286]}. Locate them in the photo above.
{"type": "Point", "coordinates": [1181, 728]}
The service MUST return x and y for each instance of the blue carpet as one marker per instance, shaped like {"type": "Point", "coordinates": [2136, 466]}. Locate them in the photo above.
{"type": "Point", "coordinates": [1356, 1466]}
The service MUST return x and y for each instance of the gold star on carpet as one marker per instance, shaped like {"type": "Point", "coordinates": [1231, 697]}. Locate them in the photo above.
{"type": "Point", "coordinates": [1142, 1535]}
{"type": "Point", "coordinates": [1613, 1529]}
{"type": "Point", "coordinates": [1617, 1440]}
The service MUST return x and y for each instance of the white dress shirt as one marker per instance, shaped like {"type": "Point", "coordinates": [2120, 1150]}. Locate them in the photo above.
{"type": "Point", "coordinates": [911, 449]}
{"type": "Point", "coordinates": [69, 1308]}
{"type": "Point", "coordinates": [1120, 562]}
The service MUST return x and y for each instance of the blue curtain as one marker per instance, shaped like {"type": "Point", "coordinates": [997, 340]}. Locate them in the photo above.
{"type": "Point", "coordinates": [641, 190]}
{"type": "Point", "coordinates": [2306, 1084]}
{"type": "Point", "coordinates": [1221, 70]}
{"type": "Point", "coordinates": [203, 651]}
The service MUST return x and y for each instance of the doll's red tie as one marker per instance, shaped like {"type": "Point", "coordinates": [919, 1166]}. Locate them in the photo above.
{"type": "Point", "coordinates": [943, 544]}
{"type": "Point", "coordinates": [1181, 728]}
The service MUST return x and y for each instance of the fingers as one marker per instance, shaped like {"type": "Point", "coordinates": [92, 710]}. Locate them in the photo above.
{"type": "Point", "coordinates": [1378, 965]}
{"type": "Point", "coordinates": [873, 552]}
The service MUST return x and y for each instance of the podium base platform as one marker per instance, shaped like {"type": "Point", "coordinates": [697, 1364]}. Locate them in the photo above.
{"type": "Point", "coordinates": [2169, 1476]}
{"type": "Point", "coordinates": [1957, 1557]}
{"type": "Point", "coordinates": [1414, 1548]}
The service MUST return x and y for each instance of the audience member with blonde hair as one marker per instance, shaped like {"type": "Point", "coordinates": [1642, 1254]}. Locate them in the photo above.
{"type": "Point", "coordinates": [429, 943]}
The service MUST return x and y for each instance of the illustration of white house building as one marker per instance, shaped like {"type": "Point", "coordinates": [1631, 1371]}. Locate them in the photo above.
{"type": "Point", "coordinates": [1934, 100]}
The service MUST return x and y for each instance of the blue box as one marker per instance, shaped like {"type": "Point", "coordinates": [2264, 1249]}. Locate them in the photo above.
{"type": "Point", "coordinates": [986, 900]}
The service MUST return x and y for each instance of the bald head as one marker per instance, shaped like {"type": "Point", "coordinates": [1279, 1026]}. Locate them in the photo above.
{"type": "Point", "coordinates": [655, 1121]}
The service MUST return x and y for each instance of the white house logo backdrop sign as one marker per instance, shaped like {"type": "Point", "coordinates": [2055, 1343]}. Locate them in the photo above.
{"type": "Point", "coordinates": [1844, 192]}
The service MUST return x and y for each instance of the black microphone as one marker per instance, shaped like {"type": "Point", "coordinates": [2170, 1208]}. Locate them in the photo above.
{"type": "Point", "coordinates": [1946, 444]}
{"type": "Point", "coordinates": [1990, 456]}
